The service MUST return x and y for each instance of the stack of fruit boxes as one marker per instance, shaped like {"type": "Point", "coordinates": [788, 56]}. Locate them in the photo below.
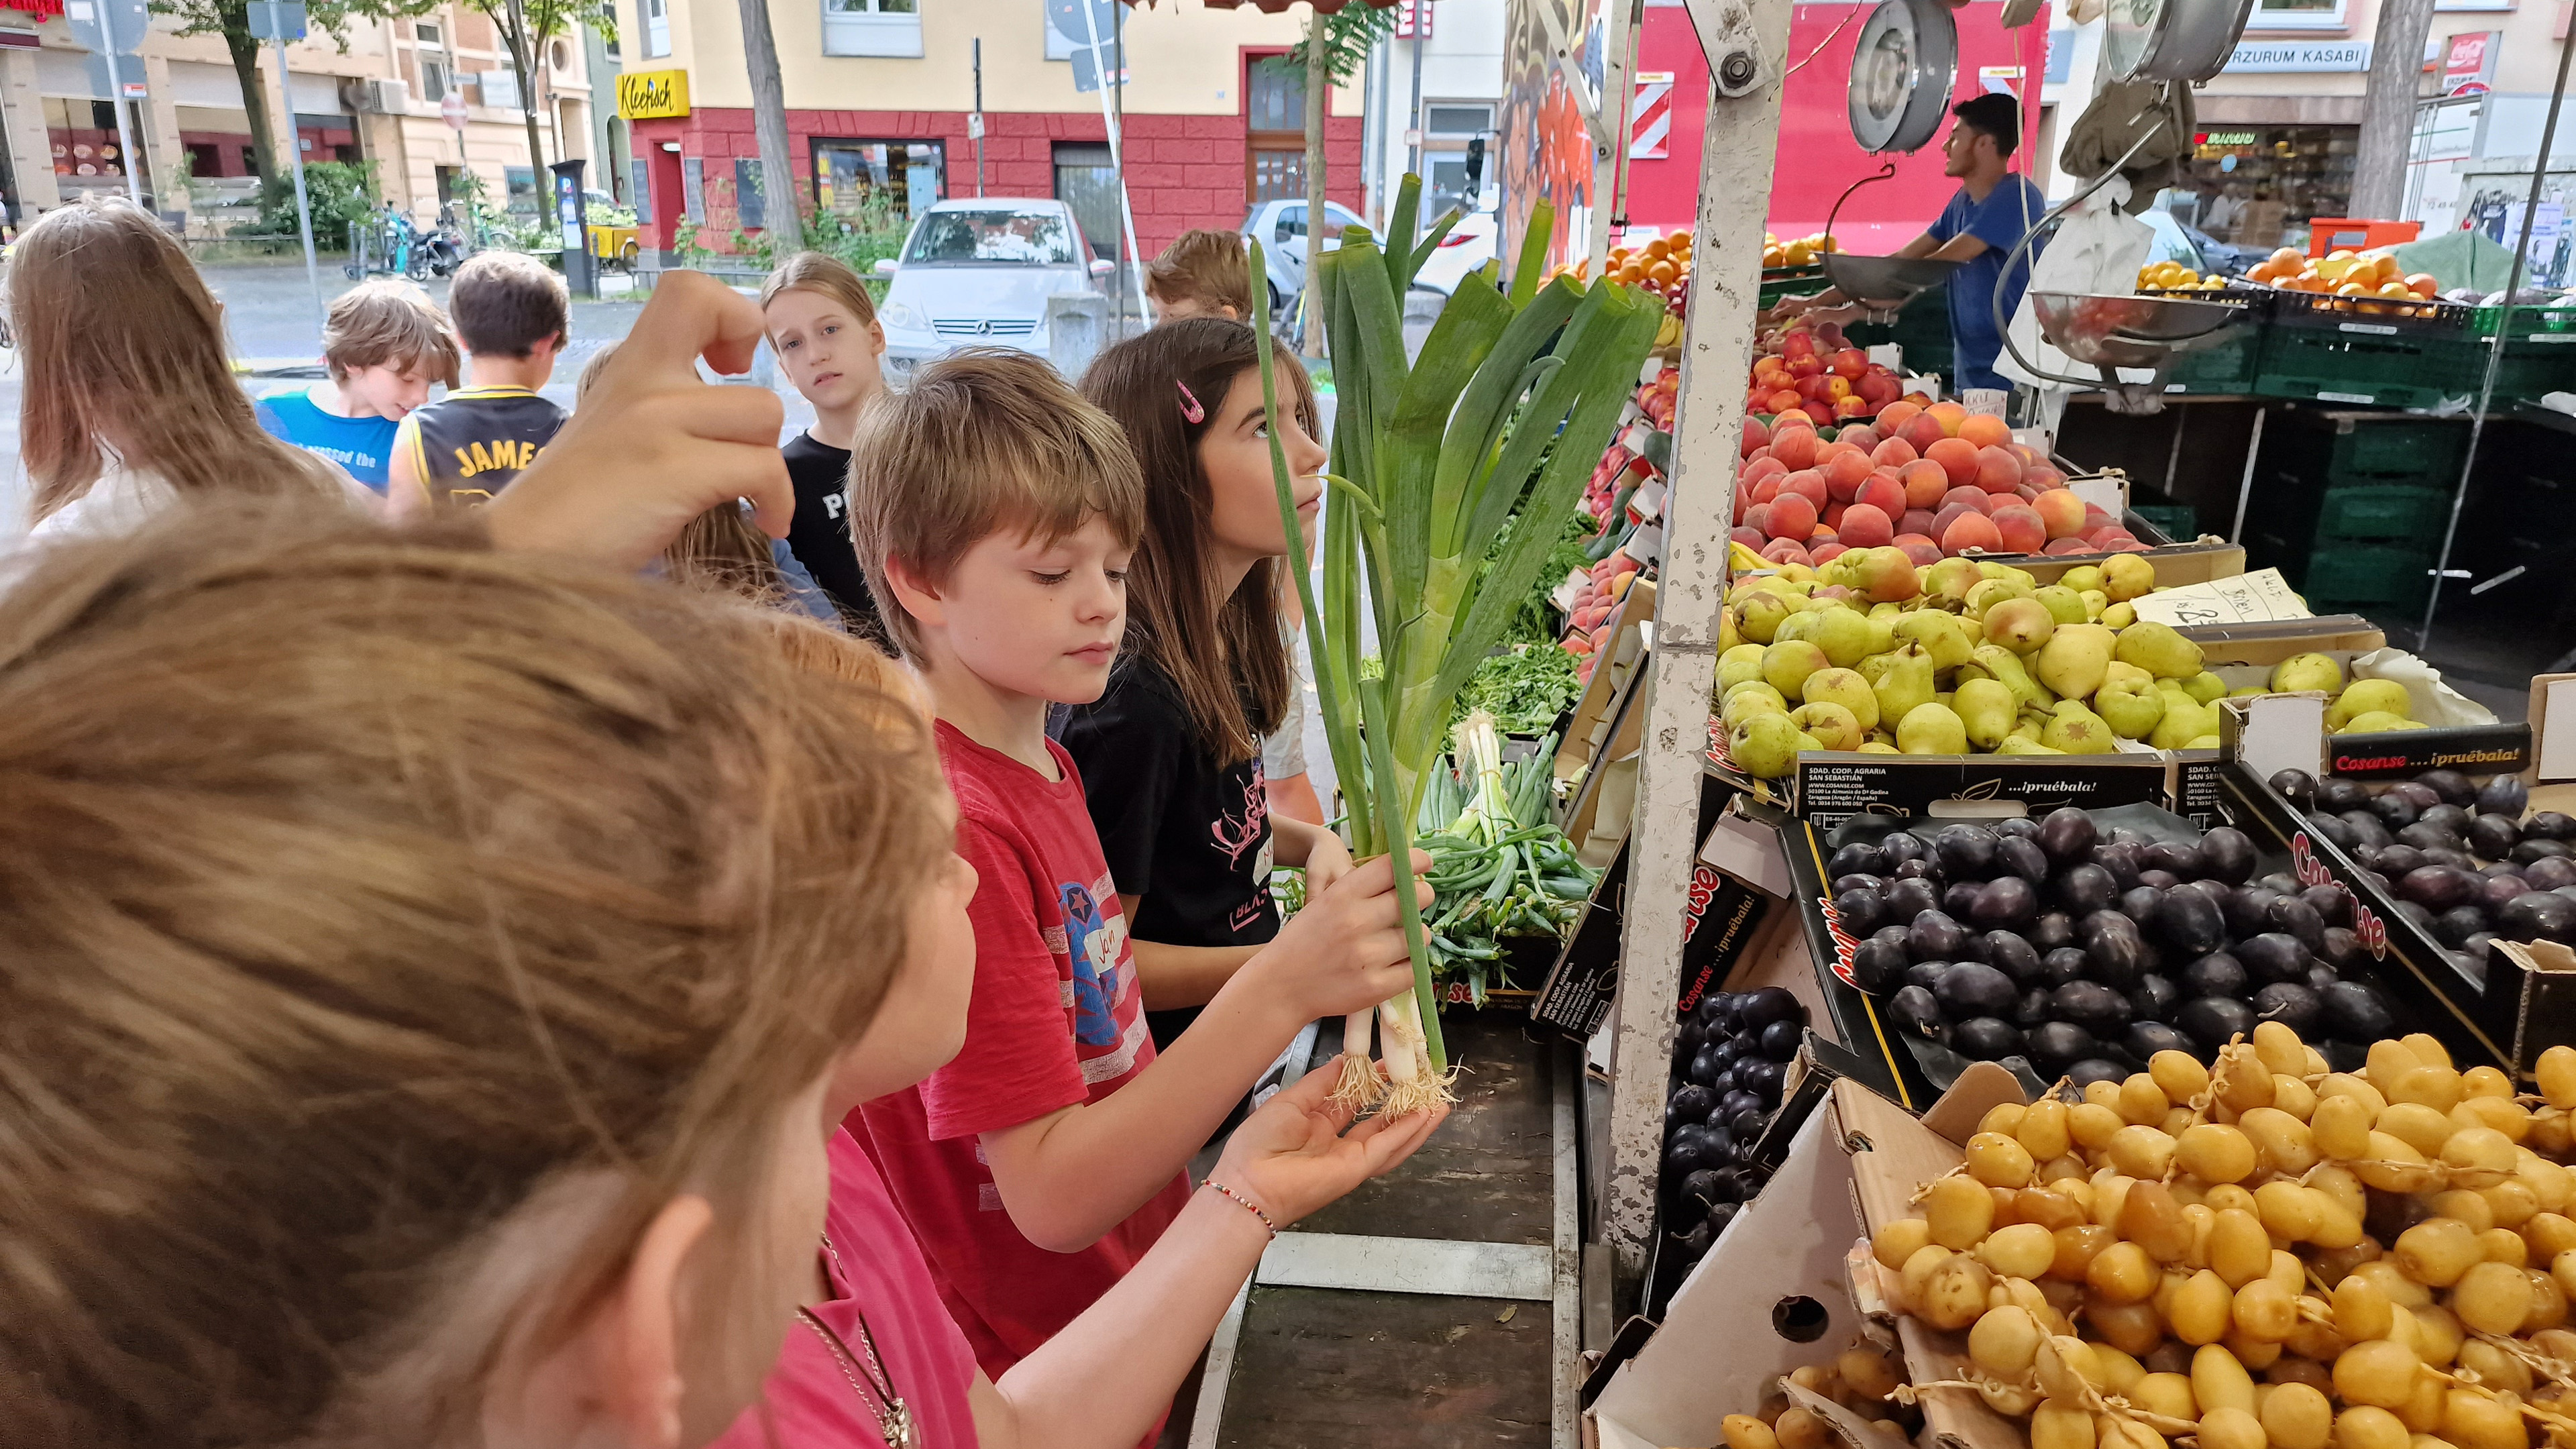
{"type": "Point", "coordinates": [2351, 506]}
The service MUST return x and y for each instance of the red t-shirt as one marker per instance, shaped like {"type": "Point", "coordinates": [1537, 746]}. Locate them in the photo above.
{"type": "Point", "coordinates": [875, 1269]}
{"type": "Point", "coordinates": [1054, 1023]}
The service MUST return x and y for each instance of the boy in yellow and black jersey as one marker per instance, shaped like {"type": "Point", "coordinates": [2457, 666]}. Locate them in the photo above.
{"type": "Point", "coordinates": [512, 314]}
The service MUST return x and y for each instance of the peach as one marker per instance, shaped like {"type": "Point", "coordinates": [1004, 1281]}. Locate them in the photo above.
{"type": "Point", "coordinates": [1758, 518]}
{"type": "Point", "coordinates": [1895, 416]}
{"type": "Point", "coordinates": [1893, 453]}
{"type": "Point", "coordinates": [1968, 498]}
{"type": "Point", "coordinates": [1765, 488]}
{"type": "Point", "coordinates": [1878, 388]}
{"type": "Point", "coordinates": [1806, 367]}
{"type": "Point", "coordinates": [1851, 362]}
{"type": "Point", "coordinates": [1925, 482]}
{"type": "Point", "coordinates": [1997, 470]}
{"type": "Point", "coordinates": [1918, 548]}
{"type": "Point", "coordinates": [1782, 400]}
{"type": "Point", "coordinates": [2095, 517]}
{"type": "Point", "coordinates": [1957, 457]}
{"type": "Point", "coordinates": [1795, 447]}
{"type": "Point", "coordinates": [2020, 528]}
{"type": "Point", "coordinates": [1985, 430]}
{"type": "Point", "coordinates": [1844, 475]}
{"type": "Point", "coordinates": [1916, 521]}
{"type": "Point", "coordinates": [2102, 539]}
{"type": "Point", "coordinates": [1826, 553]}
{"type": "Point", "coordinates": [1882, 491]}
{"type": "Point", "coordinates": [1865, 526]}
{"type": "Point", "coordinates": [1922, 431]}
{"type": "Point", "coordinates": [1822, 413]}
{"type": "Point", "coordinates": [2064, 545]}
{"type": "Point", "coordinates": [1950, 513]}
{"type": "Point", "coordinates": [1849, 406]}
{"type": "Point", "coordinates": [1752, 538]}
{"type": "Point", "coordinates": [1759, 468]}
{"type": "Point", "coordinates": [1863, 437]}
{"type": "Point", "coordinates": [1817, 388]}
{"type": "Point", "coordinates": [1833, 515]}
{"type": "Point", "coordinates": [2061, 511]}
{"type": "Point", "coordinates": [2126, 545]}
{"type": "Point", "coordinates": [1798, 343]}
{"type": "Point", "coordinates": [1787, 551]}
{"type": "Point", "coordinates": [2043, 476]}
{"type": "Point", "coordinates": [1822, 533]}
{"type": "Point", "coordinates": [1795, 420]}
{"type": "Point", "coordinates": [1971, 530]}
{"type": "Point", "coordinates": [1948, 414]}
{"type": "Point", "coordinates": [1809, 484]}
{"type": "Point", "coordinates": [1755, 435]}
{"type": "Point", "coordinates": [1791, 515]}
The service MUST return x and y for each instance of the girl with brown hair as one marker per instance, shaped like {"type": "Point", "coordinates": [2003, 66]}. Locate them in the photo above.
{"type": "Point", "coordinates": [128, 398]}
{"type": "Point", "coordinates": [1171, 755]}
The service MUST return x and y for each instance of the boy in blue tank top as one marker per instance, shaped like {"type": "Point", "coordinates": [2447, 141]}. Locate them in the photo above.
{"type": "Point", "coordinates": [512, 315]}
{"type": "Point", "coordinates": [384, 343]}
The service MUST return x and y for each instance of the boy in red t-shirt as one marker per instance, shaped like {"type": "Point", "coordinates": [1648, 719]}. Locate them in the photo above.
{"type": "Point", "coordinates": [995, 511]}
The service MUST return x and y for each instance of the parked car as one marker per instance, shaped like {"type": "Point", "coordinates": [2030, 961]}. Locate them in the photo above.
{"type": "Point", "coordinates": [1469, 245]}
{"type": "Point", "coordinates": [1280, 227]}
{"type": "Point", "coordinates": [977, 271]}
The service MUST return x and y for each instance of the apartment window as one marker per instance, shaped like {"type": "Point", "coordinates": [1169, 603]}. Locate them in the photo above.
{"type": "Point", "coordinates": [435, 76]}
{"type": "Point", "coordinates": [877, 182]}
{"type": "Point", "coordinates": [657, 26]}
{"type": "Point", "coordinates": [872, 27]}
{"type": "Point", "coordinates": [1274, 108]}
{"type": "Point", "coordinates": [1448, 127]}
{"type": "Point", "coordinates": [750, 199]}
{"type": "Point", "coordinates": [608, 45]}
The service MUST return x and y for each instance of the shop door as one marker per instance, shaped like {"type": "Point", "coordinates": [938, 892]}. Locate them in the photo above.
{"type": "Point", "coordinates": [1086, 181]}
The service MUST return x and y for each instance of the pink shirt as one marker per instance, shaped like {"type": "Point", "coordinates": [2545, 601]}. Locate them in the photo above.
{"type": "Point", "coordinates": [1054, 1022]}
{"type": "Point", "coordinates": [875, 1269]}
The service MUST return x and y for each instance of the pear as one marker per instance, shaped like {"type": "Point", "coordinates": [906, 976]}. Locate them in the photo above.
{"type": "Point", "coordinates": [1991, 592]}
{"type": "Point", "coordinates": [1800, 625]}
{"type": "Point", "coordinates": [2202, 742]}
{"type": "Point", "coordinates": [1875, 667]}
{"type": "Point", "coordinates": [2250, 691]}
{"type": "Point", "coordinates": [2369, 696]}
{"type": "Point", "coordinates": [1786, 665]}
{"type": "Point", "coordinates": [1751, 698]}
{"type": "Point", "coordinates": [1830, 725]}
{"type": "Point", "coordinates": [2132, 708]}
{"type": "Point", "coordinates": [2120, 615]}
{"type": "Point", "coordinates": [1737, 665]}
{"type": "Point", "coordinates": [1763, 745]}
{"type": "Point", "coordinates": [2205, 687]}
{"type": "Point", "coordinates": [2184, 722]}
{"type": "Point", "coordinates": [2158, 649]}
{"type": "Point", "coordinates": [2095, 601]}
{"type": "Point", "coordinates": [2006, 667]}
{"type": "Point", "coordinates": [2082, 577]}
{"type": "Point", "coordinates": [2020, 625]}
{"type": "Point", "coordinates": [1847, 688]}
{"type": "Point", "coordinates": [1762, 614]}
{"type": "Point", "coordinates": [1843, 634]}
{"type": "Point", "coordinates": [2376, 721]}
{"type": "Point", "coordinates": [2117, 672]}
{"type": "Point", "coordinates": [2307, 671]}
{"type": "Point", "coordinates": [1882, 631]}
{"type": "Point", "coordinates": [1949, 581]}
{"type": "Point", "coordinates": [1877, 747]}
{"type": "Point", "coordinates": [2018, 745]}
{"type": "Point", "coordinates": [2077, 731]}
{"type": "Point", "coordinates": [2075, 659]}
{"type": "Point", "coordinates": [1929, 729]}
{"type": "Point", "coordinates": [2125, 576]}
{"type": "Point", "coordinates": [1986, 708]}
{"type": "Point", "coordinates": [1941, 635]}
{"type": "Point", "coordinates": [1906, 685]}
{"type": "Point", "coordinates": [2064, 604]}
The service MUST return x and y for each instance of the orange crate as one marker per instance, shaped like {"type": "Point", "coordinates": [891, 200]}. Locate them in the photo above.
{"type": "Point", "coordinates": [2354, 234]}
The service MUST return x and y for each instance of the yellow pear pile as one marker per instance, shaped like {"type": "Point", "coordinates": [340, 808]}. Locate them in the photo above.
{"type": "Point", "coordinates": [2184, 1255]}
{"type": "Point", "coordinates": [2360, 707]}
{"type": "Point", "coordinates": [1873, 653]}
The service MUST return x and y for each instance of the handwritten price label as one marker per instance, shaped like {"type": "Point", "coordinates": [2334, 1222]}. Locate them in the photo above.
{"type": "Point", "coordinates": [2253, 598]}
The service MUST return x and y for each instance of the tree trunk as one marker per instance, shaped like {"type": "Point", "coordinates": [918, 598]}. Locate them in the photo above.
{"type": "Point", "coordinates": [779, 212]}
{"type": "Point", "coordinates": [1319, 87]}
{"type": "Point", "coordinates": [245, 53]}
{"type": "Point", "coordinates": [2388, 109]}
{"type": "Point", "coordinates": [521, 45]}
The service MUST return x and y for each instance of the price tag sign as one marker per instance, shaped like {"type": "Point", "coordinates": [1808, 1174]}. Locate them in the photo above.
{"type": "Point", "coordinates": [2253, 598]}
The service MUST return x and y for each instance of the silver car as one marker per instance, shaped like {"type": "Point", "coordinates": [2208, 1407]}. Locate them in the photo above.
{"type": "Point", "coordinates": [978, 272]}
{"type": "Point", "coordinates": [1280, 227]}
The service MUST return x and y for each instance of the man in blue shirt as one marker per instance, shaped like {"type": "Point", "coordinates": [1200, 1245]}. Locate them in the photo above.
{"type": "Point", "coordinates": [1993, 210]}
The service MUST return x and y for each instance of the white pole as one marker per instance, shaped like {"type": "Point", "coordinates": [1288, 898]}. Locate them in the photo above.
{"type": "Point", "coordinates": [295, 152]}
{"type": "Point", "coordinates": [116, 91]}
{"type": "Point", "coordinates": [1117, 165]}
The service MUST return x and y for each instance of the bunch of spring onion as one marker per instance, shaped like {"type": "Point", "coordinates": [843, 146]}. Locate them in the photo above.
{"type": "Point", "coordinates": [1516, 394]}
{"type": "Point", "coordinates": [1500, 866]}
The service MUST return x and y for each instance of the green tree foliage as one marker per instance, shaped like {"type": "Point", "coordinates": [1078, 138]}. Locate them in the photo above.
{"type": "Point", "coordinates": [230, 19]}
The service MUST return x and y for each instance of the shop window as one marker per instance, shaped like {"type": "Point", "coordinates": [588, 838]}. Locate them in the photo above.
{"type": "Point", "coordinates": [2257, 186]}
{"type": "Point", "coordinates": [878, 184]}
{"type": "Point", "coordinates": [2297, 15]}
{"type": "Point", "coordinates": [872, 27]}
{"type": "Point", "coordinates": [749, 196]}
{"type": "Point", "coordinates": [1274, 109]}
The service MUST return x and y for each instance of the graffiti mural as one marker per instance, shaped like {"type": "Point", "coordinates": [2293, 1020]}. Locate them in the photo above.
{"type": "Point", "coordinates": [1546, 151]}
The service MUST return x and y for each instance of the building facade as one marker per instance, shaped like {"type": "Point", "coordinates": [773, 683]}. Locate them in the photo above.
{"type": "Point", "coordinates": [882, 95]}
{"type": "Point", "coordinates": [372, 93]}
{"type": "Point", "coordinates": [1433, 96]}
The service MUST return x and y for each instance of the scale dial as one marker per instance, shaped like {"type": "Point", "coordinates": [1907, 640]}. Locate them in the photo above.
{"type": "Point", "coordinates": [1903, 71]}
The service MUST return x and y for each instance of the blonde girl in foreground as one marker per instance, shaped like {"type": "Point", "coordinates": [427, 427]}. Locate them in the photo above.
{"type": "Point", "coordinates": [129, 402]}
{"type": "Point", "coordinates": [432, 981]}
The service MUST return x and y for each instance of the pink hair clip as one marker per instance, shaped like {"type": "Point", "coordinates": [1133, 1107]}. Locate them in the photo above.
{"type": "Point", "coordinates": [1190, 403]}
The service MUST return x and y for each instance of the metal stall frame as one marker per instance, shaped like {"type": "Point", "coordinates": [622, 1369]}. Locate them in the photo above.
{"type": "Point", "coordinates": [1747, 43]}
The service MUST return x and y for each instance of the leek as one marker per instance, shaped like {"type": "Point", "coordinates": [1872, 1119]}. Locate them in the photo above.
{"type": "Point", "coordinates": [1492, 434]}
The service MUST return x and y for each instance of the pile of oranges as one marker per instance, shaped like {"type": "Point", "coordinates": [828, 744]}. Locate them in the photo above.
{"type": "Point", "coordinates": [1662, 265]}
{"type": "Point", "coordinates": [1800, 253]}
{"type": "Point", "coordinates": [2175, 277]}
{"type": "Point", "coordinates": [2374, 274]}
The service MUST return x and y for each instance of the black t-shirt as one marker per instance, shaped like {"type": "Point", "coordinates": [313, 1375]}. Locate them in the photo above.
{"type": "Point", "coordinates": [1190, 836]}
{"type": "Point", "coordinates": [819, 535]}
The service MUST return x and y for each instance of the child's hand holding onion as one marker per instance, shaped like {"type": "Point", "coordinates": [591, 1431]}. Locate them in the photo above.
{"type": "Point", "coordinates": [1295, 1154]}
{"type": "Point", "coordinates": [1345, 951]}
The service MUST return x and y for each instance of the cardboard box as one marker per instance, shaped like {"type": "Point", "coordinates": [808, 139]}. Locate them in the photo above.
{"type": "Point", "coordinates": [2244, 654]}
{"type": "Point", "coordinates": [1620, 663]}
{"type": "Point", "coordinates": [1778, 1290]}
{"type": "Point", "coordinates": [2196, 562]}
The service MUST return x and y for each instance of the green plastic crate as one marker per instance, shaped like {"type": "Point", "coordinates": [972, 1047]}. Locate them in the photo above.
{"type": "Point", "coordinates": [2179, 522]}
{"type": "Point", "coordinates": [2220, 369]}
{"type": "Point", "coordinates": [2351, 364]}
{"type": "Point", "coordinates": [2387, 578]}
{"type": "Point", "coordinates": [1921, 328]}
{"type": "Point", "coordinates": [2346, 514]}
{"type": "Point", "coordinates": [1779, 282]}
{"type": "Point", "coordinates": [2344, 450]}
{"type": "Point", "coordinates": [2537, 361]}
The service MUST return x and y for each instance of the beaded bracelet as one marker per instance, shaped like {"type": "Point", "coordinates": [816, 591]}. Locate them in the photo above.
{"type": "Point", "coordinates": [1247, 1204]}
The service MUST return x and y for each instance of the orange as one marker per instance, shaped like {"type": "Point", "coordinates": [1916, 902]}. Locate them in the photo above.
{"type": "Point", "coordinates": [2396, 289]}
{"type": "Point", "coordinates": [2289, 257]}
{"type": "Point", "coordinates": [1663, 274]}
{"type": "Point", "coordinates": [2422, 284]}
{"type": "Point", "coordinates": [1658, 249]}
{"type": "Point", "coordinates": [2351, 289]}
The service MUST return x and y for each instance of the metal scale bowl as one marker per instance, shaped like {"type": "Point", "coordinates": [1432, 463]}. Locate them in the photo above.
{"type": "Point", "coordinates": [1903, 70]}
